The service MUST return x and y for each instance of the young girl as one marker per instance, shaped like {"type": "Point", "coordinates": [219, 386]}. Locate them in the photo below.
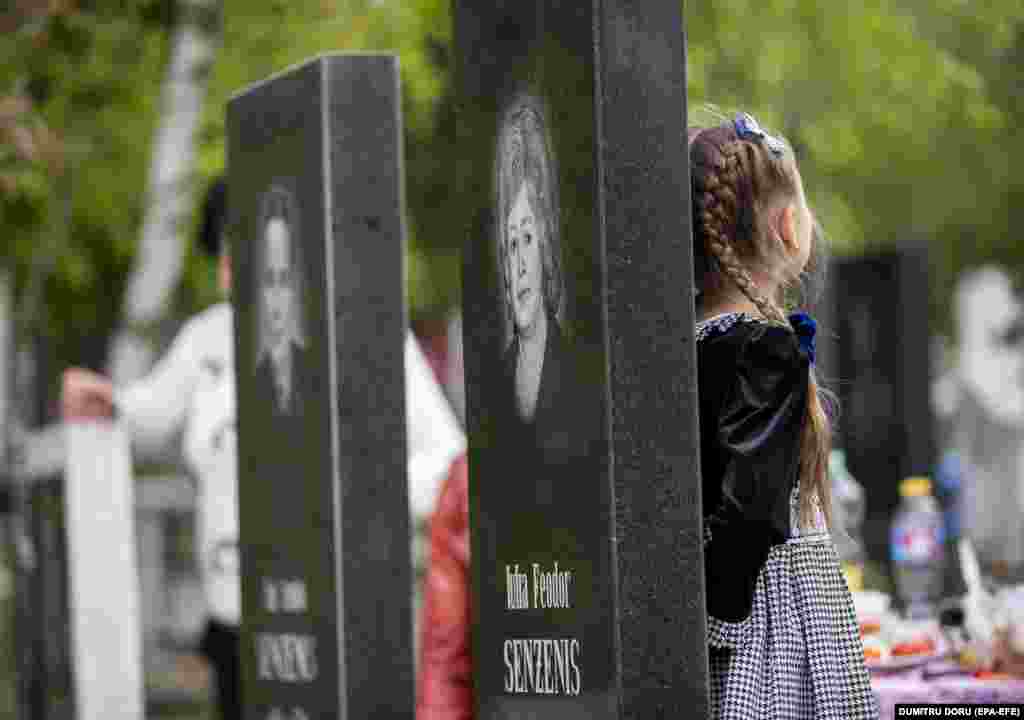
{"type": "Point", "coordinates": [782, 633]}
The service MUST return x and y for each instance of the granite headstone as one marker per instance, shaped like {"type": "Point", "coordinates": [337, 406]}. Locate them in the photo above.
{"type": "Point", "coordinates": [37, 476]}
{"type": "Point", "coordinates": [884, 381]}
{"type": "Point", "coordinates": [579, 359]}
{"type": "Point", "coordinates": [314, 174]}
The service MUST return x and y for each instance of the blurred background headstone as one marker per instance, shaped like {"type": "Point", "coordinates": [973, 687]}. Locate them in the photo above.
{"type": "Point", "coordinates": [883, 381]}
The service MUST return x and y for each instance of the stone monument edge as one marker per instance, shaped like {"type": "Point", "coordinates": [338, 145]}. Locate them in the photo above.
{"type": "Point", "coordinates": [643, 182]}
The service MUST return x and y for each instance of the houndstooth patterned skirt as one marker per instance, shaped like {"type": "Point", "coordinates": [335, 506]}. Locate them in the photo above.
{"type": "Point", "coordinates": [798, 656]}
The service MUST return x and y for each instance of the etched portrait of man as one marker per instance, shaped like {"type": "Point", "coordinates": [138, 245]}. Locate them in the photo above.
{"type": "Point", "coordinates": [281, 354]}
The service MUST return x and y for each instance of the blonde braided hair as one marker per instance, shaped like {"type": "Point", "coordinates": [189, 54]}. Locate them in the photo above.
{"type": "Point", "coordinates": [717, 209]}
{"type": "Point", "coordinates": [723, 224]}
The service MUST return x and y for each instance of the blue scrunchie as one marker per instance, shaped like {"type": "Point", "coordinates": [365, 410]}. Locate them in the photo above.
{"type": "Point", "coordinates": [805, 328]}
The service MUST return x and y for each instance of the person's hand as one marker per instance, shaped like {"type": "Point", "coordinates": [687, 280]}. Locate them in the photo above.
{"type": "Point", "coordinates": [86, 395]}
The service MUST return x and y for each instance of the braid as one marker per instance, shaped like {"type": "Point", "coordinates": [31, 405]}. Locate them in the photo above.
{"type": "Point", "coordinates": [717, 211]}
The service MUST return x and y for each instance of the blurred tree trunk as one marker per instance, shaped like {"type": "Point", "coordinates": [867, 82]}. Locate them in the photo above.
{"type": "Point", "coordinates": [160, 254]}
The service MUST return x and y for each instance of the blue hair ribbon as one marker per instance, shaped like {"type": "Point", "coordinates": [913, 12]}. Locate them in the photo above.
{"type": "Point", "coordinates": [805, 329]}
{"type": "Point", "coordinates": [746, 128]}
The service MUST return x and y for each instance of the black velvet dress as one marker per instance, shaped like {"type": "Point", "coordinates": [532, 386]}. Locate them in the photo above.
{"type": "Point", "coordinates": [782, 632]}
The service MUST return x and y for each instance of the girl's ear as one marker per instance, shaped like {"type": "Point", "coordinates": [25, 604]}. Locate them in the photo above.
{"type": "Point", "coordinates": [785, 228]}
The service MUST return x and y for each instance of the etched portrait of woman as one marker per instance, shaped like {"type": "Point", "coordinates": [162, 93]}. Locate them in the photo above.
{"type": "Point", "coordinates": [542, 426]}
{"type": "Point", "coordinates": [547, 416]}
{"type": "Point", "coordinates": [528, 251]}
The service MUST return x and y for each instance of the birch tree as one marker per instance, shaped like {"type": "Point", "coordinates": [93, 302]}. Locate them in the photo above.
{"type": "Point", "coordinates": [160, 254]}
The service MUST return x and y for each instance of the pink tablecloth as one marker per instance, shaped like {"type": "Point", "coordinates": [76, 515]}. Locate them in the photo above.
{"type": "Point", "coordinates": [912, 686]}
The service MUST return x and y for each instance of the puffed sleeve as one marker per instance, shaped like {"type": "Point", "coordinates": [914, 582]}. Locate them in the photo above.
{"type": "Point", "coordinates": [758, 434]}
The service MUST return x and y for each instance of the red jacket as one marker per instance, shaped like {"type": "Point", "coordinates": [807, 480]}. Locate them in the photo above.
{"type": "Point", "coordinates": [445, 687]}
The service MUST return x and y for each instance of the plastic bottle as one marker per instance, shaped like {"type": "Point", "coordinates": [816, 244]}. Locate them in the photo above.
{"type": "Point", "coordinates": [848, 512]}
{"type": "Point", "coordinates": [949, 481]}
{"type": "Point", "coordinates": [917, 549]}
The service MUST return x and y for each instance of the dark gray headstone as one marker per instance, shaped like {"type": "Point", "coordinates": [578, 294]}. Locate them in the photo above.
{"type": "Point", "coordinates": [584, 491]}
{"type": "Point", "coordinates": [43, 628]}
{"type": "Point", "coordinates": [314, 177]}
{"type": "Point", "coordinates": [884, 381]}
{"type": "Point", "coordinates": [36, 532]}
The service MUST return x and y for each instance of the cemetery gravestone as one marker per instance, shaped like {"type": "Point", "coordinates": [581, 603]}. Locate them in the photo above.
{"type": "Point", "coordinates": [314, 171]}
{"type": "Point", "coordinates": [77, 525]}
{"type": "Point", "coordinates": [48, 681]}
{"type": "Point", "coordinates": [50, 646]}
{"type": "Point", "coordinates": [886, 424]}
{"type": "Point", "coordinates": [580, 362]}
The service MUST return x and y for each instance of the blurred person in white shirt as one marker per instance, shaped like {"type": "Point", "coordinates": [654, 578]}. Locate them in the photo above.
{"type": "Point", "coordinates": [191, 390]}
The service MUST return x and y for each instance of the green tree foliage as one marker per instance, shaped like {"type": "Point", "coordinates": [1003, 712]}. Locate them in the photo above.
{"type": "Point", "coordinates": [263, 38]}
{"type": "Point", "coordinates": [87, 79]}
{"type": "Point", "coordinates": [906, 115]}
{"type": "Point", "coordinates": [80, 91]}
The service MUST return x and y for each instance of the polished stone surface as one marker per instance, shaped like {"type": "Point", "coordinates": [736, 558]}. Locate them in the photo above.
{"type": "Point", "coordinates": [584, 485]}
{"type": "Point", "coordinates": [327, 629]}
{"type": "Point", "coordinates": [884, 381]}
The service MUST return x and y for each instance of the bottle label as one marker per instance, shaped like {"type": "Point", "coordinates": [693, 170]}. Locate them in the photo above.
{"type": "Point", "coordinates": [854, 574]}
{"type": "Point", "coordinates": [917, 544]}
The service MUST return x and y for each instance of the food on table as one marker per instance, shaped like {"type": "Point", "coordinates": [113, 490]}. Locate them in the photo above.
{"type": "Point", "coordinates": [968, 657]}
{"type": "Point", "coordinates": [921, 646]}
{"type": "Point", "coordinates": [870, 626]}
{"type": "Point", "coordinates": [871, 603]}
{"type": "Point", "coordinates": [876, 650]}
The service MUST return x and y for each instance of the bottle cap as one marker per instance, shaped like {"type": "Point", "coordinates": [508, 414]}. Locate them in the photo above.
{"type": "Point", "coordinates": [916, 486]}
